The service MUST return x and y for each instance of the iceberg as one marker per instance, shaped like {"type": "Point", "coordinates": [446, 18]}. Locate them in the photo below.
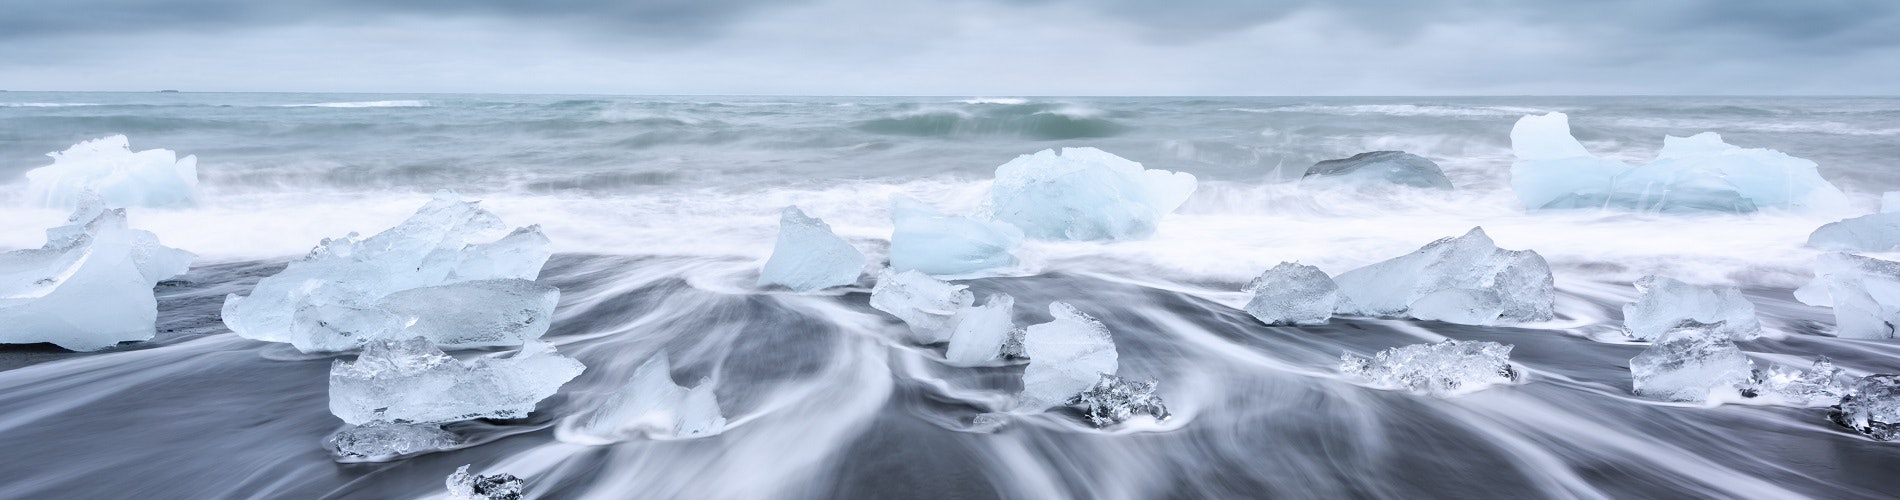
{"type": "Point", "coordinates": [1662, 303]}
{"type": "Point", "coordinates": [1293, 294]}
{"type": "Point", "coordinates": [1377, 169]}
{"type": "Point", "coordinates": [808, 256]}
{"type": "Point", "coordinates": [937, 244]}
{"type": "Point", "coordinates": [122, 178]}
{"type": "Point", "coordinates": [412, 381]}
{"type": "Point", "coordinates": [1822, 384]}
{"type": "Point", "coordinates": [928, 305]}
{"type": "Point", "coordinates": [652, 404]}
{"type": "Point", "coordinates": [1868, 233]}
{"type": "Point", "coordinates": [385, 440]}
{"type": "Point", "coordinates": [1864, 292]}
{"type": "Point", "coordinates": [982, 331]}
{"type": "Point", "coordinates": [420, 278]}
{"type": "Point", "coordinates": [1692, 362]}
{"type": "Point", "coordinates": [1448, 368]}
{"type": "Point", "coordinates": [90, 286]}
{"type": "Point", "coordinates": [1084, 194]}
{"type": "Point", "coordinates": [1700, 173]}
{"type": "Point", "coordinates": [464, 485]}
{"type": "Point", "coordinates": [1871, 407]}
{"type": "Point", "coordinates": [1067, 355]}
{"type": "Point", "coordinates": [1890, 202]}
{"type": "Point", "coordinates": [1466, 280]}
{"type": "Point", "coordinates": [1113, 400]}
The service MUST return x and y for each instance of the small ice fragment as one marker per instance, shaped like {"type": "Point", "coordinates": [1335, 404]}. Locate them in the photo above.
{"type": "Point", "coordinates": [982, 331]}
{"type": "Point", "coordinates": [1113, 400]}
{"type": "Point", "coordinates": [651, 404]}
{"type": "Point", "coordinates": [808, 256]}
{"type": "Point", "coordinates": [1067, 355]}
{"type": "Point", "coordinates": [988, 422]}
{"type": "Point", "coordinates": [938, 244]}
{"type": "Point", "coordinates": [90, 286]}
{"type": "Point", "coordinates": [1466, 280]}
{"type": "Point", "coordinates": [928, 305]}
{"type": "Point", "coordinates": [467, 486]}
{"type": "Point", "coordinates": [1663, 303]}
{"type": "Point", "coordinates": [1692, 362]}
{"type": "Point", "coordinates": [122, 178]}
{"type": "Point", "coordinates": [1085, 194]}
{"type": "Point", "coordinates": [1821, 385]}
{"type": "Point", "coordinates": [1864, 292]}
{"type": "Point", "coordinates": [412, 381]}
{"type": "Point", "coordinates": [1377, 169]}
{"type": "Point", "coordinates": [1293, 294]}
{"type": "Point", "coordinates": [1444, 369]}
{"type": "Point", "coordinates": [380, 439]}
{"type": "Point", "coordinates": [1871, 407]}
{"type": "Point", "coordinates": [1868, 233]}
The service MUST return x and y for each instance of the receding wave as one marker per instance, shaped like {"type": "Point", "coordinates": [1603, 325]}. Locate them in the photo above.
{"type": "Point", "coordinates": [362, 104]}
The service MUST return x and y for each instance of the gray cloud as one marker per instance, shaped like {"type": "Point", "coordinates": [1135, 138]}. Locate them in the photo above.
{"type": "Point", "coordinates": [27, 18]}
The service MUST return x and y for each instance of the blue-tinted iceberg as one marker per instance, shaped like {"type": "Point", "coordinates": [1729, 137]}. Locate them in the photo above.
{"type": "Point", "coordinates": [1377, 169]}
{"type": "Point", "coordinates": [1663, 303]}
{"type": "Point", "coordinates": [1448, 368]}
{"type": "Point", "coordinates": [808, 256]}
{"type": "Point", "coordinates": [1864, 292]}
{"type": "Point", "coordinates": [1293, 294]}
{"type": "Point", "coordinates": [1691, 174]}
{"type": "Point", "coordinates": [1067, 355]}
{"type": "Point", "coordinates": [650, 404]}
{"type": "Point", "coordinates": [981, 332]}
{"type": "Point", "coordinates": [90, 286]}
{"type": "Point", "coordinates": [1871, 407]}
{"type": "Point", "coordinates": [1084, 194]}
{"type": "Point", "coordinates": [122, 178]}
{"type": "Point", "coordinates": [937, 244]}
{"type": "Point", "coordinates": [1890, 202]}
{"type": "Point", "coordinates": [411, 381]}
{"type": "Point", "coordinates": [1466, 280]}
{"type": "Point", "coordinates": [929, 306]}
{"type": "Point", "coordinates": [420, 278]}
{"type": "Point", "coordinates": [1692, 362]}
{"type": "Point", "coordinates": [1868, 233]}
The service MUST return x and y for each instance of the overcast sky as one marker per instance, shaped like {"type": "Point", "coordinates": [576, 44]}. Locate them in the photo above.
{"type": "Point", "coordinates": [957, 47]}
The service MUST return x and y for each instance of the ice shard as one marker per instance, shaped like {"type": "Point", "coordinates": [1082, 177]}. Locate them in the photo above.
{"type": "Point", "coordinates": [929, 306]}
{"type": "Point", "coordinates": [1871, 407]}
{"type": "Point", "coordinates": [651, 404]}
{"type": "Point", "coordinates": [386, 440]}
{"type": "Point", "coordinates": [1293, 294]}
{"type": "Point", "coordinates": [982, 331]}
{"type": "Point", "coordinates": [1465, 280]}
{"type": "Point", "coordinates": [1822, 384]}
{"type": "Point", "coordinates": [1067, 355]}
{"type": "Point", "coordinates": [90, 286]}
{"type": "Point", "coordinates": [1448, 368]}
{"type": "Point", "coordinates": [412, 381]}
{"type": "Point", "coordinates": [1868, 233]}
{"type": "Point", "coordinates": [1692, 362]}
{"type": "Point", "coordinates": [1662, 303]}
{"type": "Point", "coordinates": [808, 256]}
{"type": "Point", "coordinates": [1085, 194]}
{"type": "Point", "coordinates": [464, 485]}
{"type": "Point", "coordinates": [938, 244]}
{"type": "Point", "coordinates": [1113, 400]}
{"type": "Point", "coordinates": [1864, 292]}
{"type": "Point", "coordinates": [122, 178]}
{"type": "Point", "coordinates": [1376, 169]}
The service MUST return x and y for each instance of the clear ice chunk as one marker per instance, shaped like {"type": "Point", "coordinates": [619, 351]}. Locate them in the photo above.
{"type": "Point", "coordinates": [122, 178]}
{"type": "Point", "coordinates": [1466, 280]}
{"type": "Point", "coordinates": [1692, 362]}
{"type": "Point", "coordinates": [928, 305]}
{"type": "Point", "coordinates": [385, 440]}
{"type": "Point", "coordinates": [1871, 407]}
{"type": "Point", "coordinates": [90, 286]}
{"type": "Point", "coordinates": [651, 404]}
{"type": "Point", "coordinates": [1293, 294]}
{"type": "Point", "coordinates": [1663, 303]}
{"type": "Point", "coordinates": [1868, 233]}
{"type": "Point", "coordinates": [464, 485]}
{"type": "Point", "coordinates": [1067, 355]}
{"type": "Point", "coordinates": [982, 331]}
{"type": "Point", "coordinates": [1113, 400]}
{"type": "Point", "coordinates": [1822, 384]}
{"type": "Point", "coordinates": [1864, 292]}
{"type": "Point", "coordinates": [1448, 368]}
{"type": "Point", "coordinates": [808, 256]}
{"type": "Point", "coordinates": [937, 244]}
{"type": "Point", "coordinates": [1690, 174]}
{"type": "Point", "coordinates": [1084, 194]}
{"type": "Point", "coordinates": [1377, 169]}
{"type": "Point", "coordinates": [333, 298]}
{"type": "Point", "coordinates": [412, 381]}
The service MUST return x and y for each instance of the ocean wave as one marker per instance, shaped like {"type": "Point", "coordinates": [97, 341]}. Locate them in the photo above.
{"type": "Point", "coordinates": [1399, 110]}
{"type": "Point", "coordinates": [47, 104]}
{"type": "Point", "coordinates": [995, 100]}
{"type": "Point", "coordinates": [362, 104]}
{"type": "Point", "coordinates": [1043, 122]}
{"type": "Point", "coordinates": [1799, 127]}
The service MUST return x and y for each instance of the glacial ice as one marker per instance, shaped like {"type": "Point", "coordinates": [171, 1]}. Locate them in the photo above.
{"type": "Point", "coordinates": [1466, 280]}
{"type": "Point", "coordinates": [1699, 173]}
{"type": "Point", "coordinates": [122, 178]}
{"type": "Point", "coordinates": [1085, 194]}
{"type": "Point", "coordinates": [981, 331]}
{"type": "Point", "coordinates": [422, 277]}
{"type": "Point", "coordinates": [1691, 362]}
{"type": "Point", "coordinates": [1868, 233]}
{"type": "Point", "coordinates": [1293, 294]}
{"type": "Point", "coordinates": [1067, 355]}
{"type": "Point", "coordinates": [928, 305]}
{"type": "Point", "coordinates": [1890, 202]}
{"type": "Point", "coordinates": [1448, 368]}
{"type": "Point", "coordinates": [808, 256]}
{"type": "Point", "coordinates": [90, 286]}
{"type": "Point", "coordinates": [1663, 303]}
{"type": "Point", "coordinates": [650, 403]}
{"type": "Point", "coordinates": [1822, 384]}
{"type": "Point", "coordinates": [1377, 169]}
{"type": "Point", "coordinates": [937, 244]}
{"type": "Point", "coordinates": [1871, 407]}
{"type": "Point", "coordinates": [412, 381]}
{"type": "Point", "coordinates": [464, 485]}
{"type": "Point", "coordinates": [1113, 400]}
{"type": "Point", "coordinates": [1864, 292]}
{"type": "Point", "coordinates": [383, 440]}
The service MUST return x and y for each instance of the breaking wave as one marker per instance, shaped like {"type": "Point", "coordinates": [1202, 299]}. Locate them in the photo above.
{"type": "Point", "coordinates": [362, 104]}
